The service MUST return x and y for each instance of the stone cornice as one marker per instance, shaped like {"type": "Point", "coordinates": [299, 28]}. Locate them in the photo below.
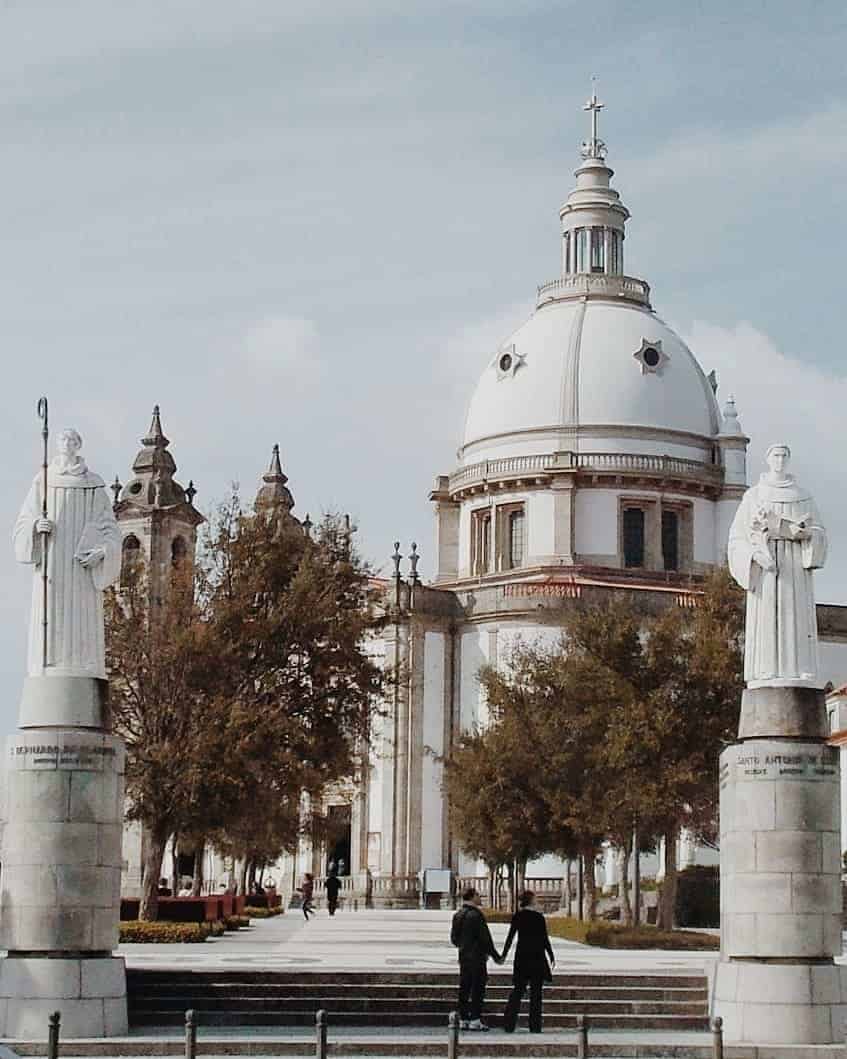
{"type": "Point", "coordinates": [704, 442]}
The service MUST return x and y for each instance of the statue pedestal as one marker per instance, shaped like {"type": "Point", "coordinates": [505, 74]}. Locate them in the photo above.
{"type": "Point", "coordinates": [780, 883]}
{"type": "Point", "coordinates": [61, 856]}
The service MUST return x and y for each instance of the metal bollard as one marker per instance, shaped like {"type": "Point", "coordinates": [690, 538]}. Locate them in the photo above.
{"type": "Point", "coordinates": [320, 1034]}
{"type": "Point", "coordinates": [581, 1037]}
{"type": "Point", "coordinates": [453, 1035]}
{"type": "Point", "coordinates": [716, 1026]}
{"type": "Point", "coordinates": [190, 1034]}
{"type": "Point", "coordinates": [53, 1035]}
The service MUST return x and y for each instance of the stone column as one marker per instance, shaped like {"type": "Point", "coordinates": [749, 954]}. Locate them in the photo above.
{"type": "Point", "coordinates": [776, 982]}
{"type": "Point", "coordinates": [61, 856]}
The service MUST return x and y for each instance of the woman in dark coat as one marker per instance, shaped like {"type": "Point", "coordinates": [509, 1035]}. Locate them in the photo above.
{"type": "Point", "coordinates": [531, 962]}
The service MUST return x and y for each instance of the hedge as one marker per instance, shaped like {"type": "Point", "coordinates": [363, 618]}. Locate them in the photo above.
{"type": "Point", "coordinates": [262, 913]}
{"type": "Point", "coordinates": [698, 896]}
{"type": "Point", "coordinates": [236, 922]}
{"type": "Point", "coordinates": [604, 935]}
{"type": "Point", "coordinates": [140, 931]}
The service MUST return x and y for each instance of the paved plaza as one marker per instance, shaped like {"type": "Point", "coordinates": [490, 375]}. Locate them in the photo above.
{"type": "Point", "coordinates": [378, 940]}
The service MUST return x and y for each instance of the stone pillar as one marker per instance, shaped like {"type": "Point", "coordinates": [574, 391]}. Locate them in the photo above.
{"type": "Point", "coordinates": [777, 982]}
{"type": "Point", "coordinates": [61, 856]}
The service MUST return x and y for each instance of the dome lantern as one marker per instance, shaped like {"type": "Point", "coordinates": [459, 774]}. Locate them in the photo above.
{"type": "Point", "coordinates": [593, 217]}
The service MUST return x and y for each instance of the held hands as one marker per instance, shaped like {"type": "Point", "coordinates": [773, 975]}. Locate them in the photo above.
{"type": "Point", "coordinates": [91, 557]}
{"type": "Point", "coordinates": [764, 558]}
{"type": "Point", "coordinates": [43, 525]}
{"type": "Point", "coordinates": [799, 532]}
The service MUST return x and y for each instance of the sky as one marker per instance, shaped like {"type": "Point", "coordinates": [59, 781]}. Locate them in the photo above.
{"type": "Point", "coordinates": [314, 224]}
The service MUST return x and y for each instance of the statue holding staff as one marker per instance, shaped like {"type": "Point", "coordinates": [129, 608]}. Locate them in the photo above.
{"type": "Point", "coordinates": [82, 542]}
{"type": "Point", "coordinates": [776, 540]}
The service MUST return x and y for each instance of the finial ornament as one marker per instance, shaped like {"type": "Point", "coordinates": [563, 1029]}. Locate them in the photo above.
{"type": "Point", "coordinates": [307, 525]}
{"type": "Point", "coordinates": [190, 492]}
{"type": "Point", "coordinates": [414, 559]}
{"type": "Point", "coordinates": [594, 147]}
{"type": "Point", "coordinates": [395, 558]}
{"type": "Point", "coordinates": [116, 489]}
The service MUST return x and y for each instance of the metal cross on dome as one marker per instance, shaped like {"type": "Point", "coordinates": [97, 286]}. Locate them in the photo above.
{"type": "Point", "coordinates": [594, 148]}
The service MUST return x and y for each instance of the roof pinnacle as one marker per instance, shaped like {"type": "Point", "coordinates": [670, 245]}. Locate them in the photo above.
{"type": "Point", "coordinates": [594, 147]}
{"type": "Point", "coordinates": [155, 437]}
{"type": "Point", "coordinates": [274, 472]}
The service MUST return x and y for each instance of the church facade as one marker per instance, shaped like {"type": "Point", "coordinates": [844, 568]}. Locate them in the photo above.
{"type": "Point", "coordinates": [596, 462]}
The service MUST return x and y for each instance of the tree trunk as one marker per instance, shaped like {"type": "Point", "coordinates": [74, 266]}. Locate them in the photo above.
{"type": "Point", "coordinates": [176, 881]}
{"type": "Point", "coordinates": [667, 907]}
{"type": "Point", "coordinates": [242, 881]}
{"type": "Point", "coordinates": [623, 886]}
{"type": "Point", "coordinates": [154, 854]}
{"type": "Point", "coordinates": [197, 882]}
{"type": "Point", "coordinates": [565, 899]}
{"type": "Point", "coordinates": [590, 883]}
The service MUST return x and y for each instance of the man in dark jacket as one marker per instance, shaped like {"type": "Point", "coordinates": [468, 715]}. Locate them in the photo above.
{"type": "Point", "coordinates": [471, 936]}
{"type": "Point", "coordinates": [333, 885]}
{"type": "Point", "coordinates": [531, 962]}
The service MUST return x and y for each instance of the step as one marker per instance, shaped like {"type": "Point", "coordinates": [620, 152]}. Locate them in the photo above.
{"type": "Point", "coordinates": [415, 993]}
{"type": "Point", "coordinates": [138, 976]}
{"type": "Point", "coordinates": [388, 1005]}
{"type": "Point", "coordinates": [225, 1017]}
{"type": "Point", "coordinates": [483, 1047]}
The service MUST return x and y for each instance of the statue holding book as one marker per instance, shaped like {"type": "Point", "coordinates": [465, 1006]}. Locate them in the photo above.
{"type": "Point", "coordinates": [775, 542]}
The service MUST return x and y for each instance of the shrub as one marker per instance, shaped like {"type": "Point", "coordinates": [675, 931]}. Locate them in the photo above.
{"type": "Point", "coordinates": [606, 935]}
{"type": "Point", "coordinates": [698, 896]}
{"type": "Point", "coordinates": [217, 928]}
{"type": "Point", "coordinates": [236, 922]}
{"type": "Point", "coordinates": [262, 913]}
{"type": "Point", "coordinates": [138, 931]}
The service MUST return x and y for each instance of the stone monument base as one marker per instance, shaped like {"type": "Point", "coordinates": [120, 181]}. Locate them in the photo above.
{"type": "Point", "coordinates": [88, 991]}
{"type": "Point", "coordinates": [781, 1002]}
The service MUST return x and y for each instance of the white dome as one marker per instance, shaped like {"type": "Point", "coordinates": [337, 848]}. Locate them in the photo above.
{"type": "Point", "coordinates": [580, 363]}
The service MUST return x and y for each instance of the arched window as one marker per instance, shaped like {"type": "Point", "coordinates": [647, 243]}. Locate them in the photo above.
{"type": "Point", "coordinates": [179, 550]}
{"type": "Point", "coordinates": [130, 558]}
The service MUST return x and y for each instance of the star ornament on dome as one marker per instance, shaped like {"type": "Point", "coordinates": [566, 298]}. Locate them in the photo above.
{"type": "Point", "coordinates": [651, 356]}
{"type": "Point", "coordinates": [508, 361]}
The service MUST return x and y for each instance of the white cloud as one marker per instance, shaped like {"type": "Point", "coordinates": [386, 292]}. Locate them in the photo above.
{"type": "Point", "coordinates": [286, 347]}
{"type": "Point", "coordinates": [781, 398]}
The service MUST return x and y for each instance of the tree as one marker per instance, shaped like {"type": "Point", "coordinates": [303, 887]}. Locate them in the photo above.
{"type": "Point", "coordinates": [615, 729]}
{"type": "Point", "coordinates": [248, 685]}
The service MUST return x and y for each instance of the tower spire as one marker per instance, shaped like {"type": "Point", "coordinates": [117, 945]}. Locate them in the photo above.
{"type": "Point", "coordinates": [274, 491]}
{"type": "Point", "coordinates": [594, 147]}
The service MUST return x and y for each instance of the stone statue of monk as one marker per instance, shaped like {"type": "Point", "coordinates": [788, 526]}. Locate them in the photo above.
{"type": "Point", "coordinates": [775, 542]}
{"type": "Point", "coordinates": [83, 558]}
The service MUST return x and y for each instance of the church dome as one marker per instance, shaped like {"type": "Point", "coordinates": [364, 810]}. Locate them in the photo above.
{"type": "Point", "coordinates": [585, 361]}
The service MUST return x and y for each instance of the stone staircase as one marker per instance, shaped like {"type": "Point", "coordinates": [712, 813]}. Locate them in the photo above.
{"type": "Point", "coordinates": [632, 1002]}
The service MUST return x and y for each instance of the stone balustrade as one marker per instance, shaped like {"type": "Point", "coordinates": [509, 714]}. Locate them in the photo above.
{"type": "Point", "coordinates": [487, 472]}
{"type": "Point", "coordinates": [581, 284]}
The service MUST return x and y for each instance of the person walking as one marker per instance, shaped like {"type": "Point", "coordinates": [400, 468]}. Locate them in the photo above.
{"type": "Point", "coordinates": [307, 889]}
{"type": "Point", "coordinates": [471, 936]}
{"type": "Point", "coordinates": [531, 962]}
{"type": "Point", "coordinates": [333, 886]}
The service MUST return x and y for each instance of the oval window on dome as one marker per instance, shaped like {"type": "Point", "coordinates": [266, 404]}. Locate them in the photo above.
{"type": "Point", "coordinates": [506, 362]}
{"type": "Point", "coordinates": [652, 357]}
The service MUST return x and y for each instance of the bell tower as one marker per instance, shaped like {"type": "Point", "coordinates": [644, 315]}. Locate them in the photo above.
{"type": "Point", "coordinates": [156, 514]}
